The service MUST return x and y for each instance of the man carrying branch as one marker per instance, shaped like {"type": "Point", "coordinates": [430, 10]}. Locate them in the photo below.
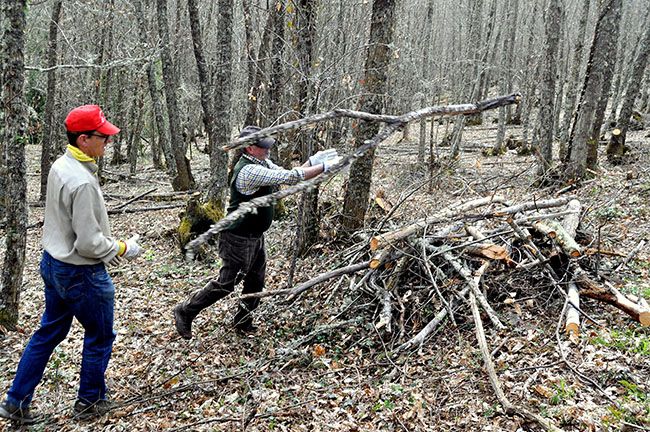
{"type": "Point", "coordinates": [241, 245]}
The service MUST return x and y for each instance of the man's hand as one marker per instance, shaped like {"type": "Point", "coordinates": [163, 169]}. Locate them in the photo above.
{"type": "Point", "coordinates": [133, 249]}
{"type": "Point", "coordinates": [322, 156]}
{"type": "Point", "coordinates": [329, 163]}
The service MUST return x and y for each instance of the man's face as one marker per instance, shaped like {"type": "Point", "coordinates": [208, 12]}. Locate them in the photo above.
{"type": "Point", "coordinates": [258, 152]}
{"type": "Point", "coordinates": [93, 144]}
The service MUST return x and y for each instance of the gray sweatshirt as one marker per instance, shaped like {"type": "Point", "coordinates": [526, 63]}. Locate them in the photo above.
{"type": "Point", "coordinates": [76, 229]}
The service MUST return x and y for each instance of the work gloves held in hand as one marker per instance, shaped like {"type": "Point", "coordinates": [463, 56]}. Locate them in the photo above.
{"type": "Point", "coordinates": [328, 158]}
{"type": "Point", "coordinates": [129, 249]}
{"type": "Point", "coordinates": [133, 249]}
{"type": "Point", "coordinates": [329, 163]}
{"type": "Point", "coordinates": [322, 156]}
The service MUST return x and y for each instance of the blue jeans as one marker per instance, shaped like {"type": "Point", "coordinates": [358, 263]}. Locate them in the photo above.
{"type": "Point", "coordinates": [84, 292]}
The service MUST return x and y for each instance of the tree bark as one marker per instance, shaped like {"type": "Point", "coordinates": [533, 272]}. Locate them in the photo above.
{"type": "Point", "coordinates": [570, 100]}
{"type": "Point", "coordinates": [617, 143]}
{"type": "Point", "coordinates": [256, 64]}
{"type": "Point", "coordinates": [15, 138]}
{"type": "Point", "coordinates": [582, 138]}
{"type": "Point", "coordinates": [374, 88]}
{"type": "Point", "coordinates": [183, 179]}
{"type": "Point", "coordinates": [217, 189]}
{"type": "Point", "coordinates": [306, 103]}
{"type": "Point", "coordinates": [610, 43]}
{"type": "Point", "coordinates": [547, 94]}
{"type": "Point", "coordinates": [48, 117]}
{"type": "Point", "coordinates": [158, 108]}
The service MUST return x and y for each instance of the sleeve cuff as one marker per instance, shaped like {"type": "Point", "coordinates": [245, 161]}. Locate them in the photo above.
{"type": "Point", "coordinates": [121, 248]}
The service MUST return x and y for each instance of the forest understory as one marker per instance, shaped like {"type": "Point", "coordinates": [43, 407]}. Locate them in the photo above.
{"type": "Point", "coordinates": [320, 361]}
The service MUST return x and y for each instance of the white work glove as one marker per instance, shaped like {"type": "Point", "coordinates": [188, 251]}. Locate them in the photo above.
{"type": "Point", "coordinates": [329, 163]}
{"type": "Point", "coordinates": [133, 249]}
{"type": "Point", "coordinates": [115, 261]}
{"type": "Point", "coordinates": [322, 156]}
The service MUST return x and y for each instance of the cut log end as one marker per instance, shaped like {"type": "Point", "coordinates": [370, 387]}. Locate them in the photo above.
{"type": "Point", "coordinates": [572, 329]}
{"type": "Point", "coordinates": [644, 319]}
{"type": "Point", "coordinates": [374, 263]}
{"type": "Point", "coordinates": [374, 243]}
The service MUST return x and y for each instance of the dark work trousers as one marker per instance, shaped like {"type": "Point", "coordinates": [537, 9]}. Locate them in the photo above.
{"type": "Point", "coordinates": [244, 258]}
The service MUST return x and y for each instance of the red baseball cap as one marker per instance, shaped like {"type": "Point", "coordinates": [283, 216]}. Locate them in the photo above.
{"type": "Point", "coordinates": [88, 118]}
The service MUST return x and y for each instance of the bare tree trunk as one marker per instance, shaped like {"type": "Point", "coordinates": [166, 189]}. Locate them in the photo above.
{"type": "Point", "coordinates": [513, 15]}
{"type": "Point", "coordinates": [582, 133]}
{"type": "Point", "coordinates": [137, 114]}
{"type": "Point", "coordinates": [15, 138]}
{"type": "Point", "coordinates": [610, 42]}
{"type": "Point", "coordinates": [615, 147]}
{"type": "Point", "coordinates": [305, 105]}
{"type": "Point", "coordinates": [256, 63]}
{"type": "Point", "coordinates": [470, 91]}
{"type": "Point", "coordinates": [183, 179]}
{"type": "Point", "coordinates": [218, 187]}
{"type": "Point", "coordinates": [158, 109]}
{"type": "Point", "coordinates": [120, 107]}
{"type": "Point", "coordinates": [374, 88]}
{"type": "Point", "coordinates": [549, 70]}
{"type": "Point", "coordinates": [572, 84]}
{"type": "Point", "coordinates": [48, 120]}
{"type": "Point", "coordinates": [276, 76]}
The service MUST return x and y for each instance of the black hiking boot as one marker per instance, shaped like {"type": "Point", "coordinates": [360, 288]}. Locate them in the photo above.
{"type": "Point", "coordinates": [22, 416]}
{"type": "Point", "coordinates": [85, 411]}
{"type": "Point", "coordinates": [183, 323]}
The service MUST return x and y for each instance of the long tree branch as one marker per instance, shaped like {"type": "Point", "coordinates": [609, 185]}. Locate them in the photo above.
{"type": "Point", "coordinates": [448, 110]}
{"type": "Point", "coordinates": [394, 124]}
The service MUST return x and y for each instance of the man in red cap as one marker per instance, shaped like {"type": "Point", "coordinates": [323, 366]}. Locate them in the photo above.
{"type": "Point", "coordinates": [77, 245]}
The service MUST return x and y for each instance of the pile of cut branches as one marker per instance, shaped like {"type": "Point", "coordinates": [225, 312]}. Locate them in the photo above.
{"type": "Point", "coordinates": [456, 251]}
{"type": "Point", "coordinates": [452, 264]}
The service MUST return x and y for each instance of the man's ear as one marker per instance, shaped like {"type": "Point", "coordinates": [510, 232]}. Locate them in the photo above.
{"type": "Point", "coordinates": [81, 141]}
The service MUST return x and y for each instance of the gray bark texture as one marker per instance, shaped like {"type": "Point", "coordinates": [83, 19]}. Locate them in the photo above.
{"type": "Point", "coordinates": [14, 138]}
{"type": "Point", "coordinates": [157, 104]}
{"type": "Point", "coordinates": [632, 89]}
{"type": "Point", "coordinates": [306, 104]}
{"type": "Point", "coordinates": [547, 93]}
{"type": "Point", "coordinates": [48, 120]}
{"type": "Point", "coordinates": [204, 86]}
{"type": "Point", "coordinates": [599, 56]}
{"type": "Point", "coordinates": [570, 101]}
{"type": "Point", "coordinates": [374, 88]}
{"type": "Point", "coordinates": [183, 179]}
{"type": "Point", "coordinates": [217, 188]}
{"type": "Point", "coordinates": [610, 45]}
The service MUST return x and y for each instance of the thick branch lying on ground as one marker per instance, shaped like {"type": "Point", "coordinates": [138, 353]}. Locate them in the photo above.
{"type": "Point", "coordinates": [572, 318]}
{"type": "Point", "coordinates": [556, 231]}
{"type": "Point", "coordinates": [124, 204]}
{"type": "Point", "coordinates": [637, 308]}
{"type": "Point", "coordinates": [382, 240]}
{"type": "Point", "coordinates": [492, 374]}
{"type": "Point", "coordinates": [146, 209]}
{"type": "Point", "coordinates": [299, 289]}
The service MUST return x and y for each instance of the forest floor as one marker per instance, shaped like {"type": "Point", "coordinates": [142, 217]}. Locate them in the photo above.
{"type": "Point", "coordinates": [319, 363]}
